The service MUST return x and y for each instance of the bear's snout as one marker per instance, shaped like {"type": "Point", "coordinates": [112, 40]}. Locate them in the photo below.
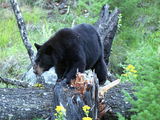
{"type": "Point", "coordinates": [34, 68]}
{"type": "Point", "coordinates": [37, 69]}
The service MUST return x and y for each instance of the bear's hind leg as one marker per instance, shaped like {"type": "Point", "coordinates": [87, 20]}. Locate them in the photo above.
{"type": "Point", "coordinates": [101, 71]}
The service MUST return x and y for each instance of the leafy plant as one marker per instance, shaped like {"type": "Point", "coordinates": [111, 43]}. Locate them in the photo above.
{"type": "Point", "coordinates": [147, 85]}
{"type": "Point", "coordinates": [35, 118]}
{"type": "Point", "coordinates": [86, 109]}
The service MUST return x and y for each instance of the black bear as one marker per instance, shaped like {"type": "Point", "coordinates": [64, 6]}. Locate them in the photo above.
{"type": "Point", "coordinates": [69, 49]}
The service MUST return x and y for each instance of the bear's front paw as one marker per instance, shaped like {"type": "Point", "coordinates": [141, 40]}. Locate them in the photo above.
{"type": "Point", "coordinates": [102, 82]}
{"type": "Point", "coordinates": [59, 80]}
{"type": "Point", "coordinates": [64, 82]}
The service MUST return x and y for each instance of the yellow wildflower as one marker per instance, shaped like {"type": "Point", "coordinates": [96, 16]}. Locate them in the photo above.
{"type": "Point", "coordinates": [40, 85]}
{"type": "Point", "coordinates": [131, 70]}
{"type": "Point", "coordinates": [59, 108]}
{"type": "Point", "coordinates": [133, 67]}
{"type": "Point", "coordinates": [135, 71]}
{"type": "Point", "coordinates": [55, 114]}
{"type": "Point", "coordinates": [130, 67]}
{"type": "Point", "coordinates": [86, 107]}
{"type": "Point", "coordinates": [87, 112]}
{"type": "Point", "coordinates": [125, 74]}
{"type": "Point", "coordinates": [87, 118]}
{"type": "Point", "coordinates": [135, 75]}
{"type": "Point", "coordinates": [36, 85]}
{"type": "Point", "coordinates": [129, 73]}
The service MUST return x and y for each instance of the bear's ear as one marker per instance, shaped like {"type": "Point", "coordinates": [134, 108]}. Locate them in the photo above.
{"type": "Point", "coordinates": [49, 49]}
{"type": "Point", "coordinates": [37, 46]}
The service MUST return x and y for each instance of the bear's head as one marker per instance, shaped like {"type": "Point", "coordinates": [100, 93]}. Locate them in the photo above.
{"type": "Point", "coordinates": [45, 58]}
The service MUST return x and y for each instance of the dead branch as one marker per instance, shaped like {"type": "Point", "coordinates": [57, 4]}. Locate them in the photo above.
{"type": "Point", "coordinates": [15, 82]}
{"type": "Point", "coordinates": [105, 88]}
{"type": "Point", "coordinates": [24, 35]}
{"type": "Point", "coordinates": [22, 29]}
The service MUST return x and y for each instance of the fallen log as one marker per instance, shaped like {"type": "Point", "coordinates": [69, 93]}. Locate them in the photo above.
{"type": "Point", "coordinates": [25, 103]}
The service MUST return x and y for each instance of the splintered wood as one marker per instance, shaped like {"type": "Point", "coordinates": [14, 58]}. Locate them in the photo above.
{"type": "Point", "coordinates": [105, 88]}
{"type": "Point", "coordinates": [81, 84]}
{"type": "Point", "coordinates": [90, 86]}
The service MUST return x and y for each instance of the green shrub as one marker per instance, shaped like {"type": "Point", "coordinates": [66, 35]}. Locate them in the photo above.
{"type": "Point", "coordinates": [91, 7]}
{"type": "Point", "coordinates": [146, 61]}
{"type": "Point", "coordinates": [139, 20]}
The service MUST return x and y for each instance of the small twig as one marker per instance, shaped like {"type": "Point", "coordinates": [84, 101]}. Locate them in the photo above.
{"type": "Point", "coordinates": [101, 114]}
{"type": "Point", "coordinates": [96, 83]}
{"type": "Point", "coordinates": [73, 22]}
{"type": "Point", "coordinates": [66, 13]}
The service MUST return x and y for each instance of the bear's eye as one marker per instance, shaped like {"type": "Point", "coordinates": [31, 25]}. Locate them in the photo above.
{"type": "Point", "coordinates": [39, 61]}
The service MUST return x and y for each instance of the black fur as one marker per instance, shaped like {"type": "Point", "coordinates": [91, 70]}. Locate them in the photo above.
{"type": "Point", "coordinates": [70, 49]}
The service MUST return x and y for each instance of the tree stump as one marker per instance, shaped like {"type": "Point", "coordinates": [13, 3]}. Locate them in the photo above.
{"type": "Point", "coordinates": [80, 93]}
{"type": "Point", "coordinates": [107, 26]}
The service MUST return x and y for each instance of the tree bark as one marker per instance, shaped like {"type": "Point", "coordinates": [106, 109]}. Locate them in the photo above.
{"type": "Point", "coordinates": [25, 103]}
{"type": "Point", "coordinates": [107, 26]}
{"type": "Point", "coordinates": [15, 82]}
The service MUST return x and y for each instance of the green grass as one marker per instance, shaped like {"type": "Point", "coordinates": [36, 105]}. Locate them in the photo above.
{"type": "Point", "coordinates": [2, 85]}
{"type": "Point", "coordinates": [13, 53]}
{"type": "Point", "coordinates": [138, 18]}
{"type": "Point", "coordinates": [139, 22]}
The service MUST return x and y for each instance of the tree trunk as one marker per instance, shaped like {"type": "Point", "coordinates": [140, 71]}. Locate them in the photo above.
{"type": "Point", "coordinates": [107, 26]}
{"type": "Point", "coordinates": [25, 103]}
